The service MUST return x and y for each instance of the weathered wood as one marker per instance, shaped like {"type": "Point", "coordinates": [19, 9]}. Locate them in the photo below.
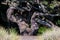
{"type": "Point", "coordinates": [40, 21]}
{"type": "Point", "coordinates": [47, 14]}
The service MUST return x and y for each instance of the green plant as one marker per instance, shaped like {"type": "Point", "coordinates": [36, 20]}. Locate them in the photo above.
{"type": "Point", "coordinates": [58, 22]}
{"type": "Point", "coordinates": [13, 31]}
{"type": "Point", "coordinates": [42, 29]}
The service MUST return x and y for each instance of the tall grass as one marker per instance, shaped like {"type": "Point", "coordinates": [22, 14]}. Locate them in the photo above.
{"type": "Point", "coordinates": [5, 35]}
{"type": "Point", "coordinates": [53, 34]}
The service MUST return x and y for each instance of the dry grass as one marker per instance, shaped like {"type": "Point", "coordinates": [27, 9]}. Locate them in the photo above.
{"type": "Point", "coordinates": [4, 35]}
{"type": "Point", "coordinates": [53, 34]}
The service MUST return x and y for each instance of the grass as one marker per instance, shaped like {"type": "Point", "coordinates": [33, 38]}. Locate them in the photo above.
{"type": "Point", "coordinates": [43, 29]}
{"type": "Point", "coordinates": [53, 34]}
{"type": "Point", "coordinates": [5, 35]}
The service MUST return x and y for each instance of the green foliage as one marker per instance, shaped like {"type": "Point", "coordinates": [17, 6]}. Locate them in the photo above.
{"type": "Point", "coordinates": [52, 6]}
{"type": "Point", "coordinates": [42, 29]}
{"type": "Point", "coordinates": [13, 31]}
{"type": "Point", "coordinates": [45, 2]}
{"type": "Point", "coordinates": [58, 22]}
